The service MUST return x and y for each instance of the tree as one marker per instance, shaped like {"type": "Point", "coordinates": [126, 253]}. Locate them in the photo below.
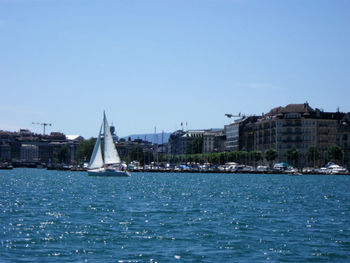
{"type": "Point", "coordinates": [233, 156]}
{"type": "Point", "coordinates": [270, 155]}
{"type": "Point", "coordinates": [84, 149]}
{"type": "Point", "coordinates": [255, 156]}
{"type": "Point", "coordinates": [195, 146]}
{"type": "Point", "coordinates": [205, 157]}
{"type": "Point", "coordinates": [136, 154]}
{"type": "Point", "coordinates": [293, 155]}
{"type": "Point", "coordinates": [243, 156]}
{"type": "Point", "coordinates": [313, 155]}
{"type": "Point", "coordinates": [334, 153]}
{"type": "Point", "coordinates": [215, 158]}
{"type": "Point", "coordinates": [63, 154]}
{"type": "Point", "coordinates": [148, 156]}
{"type": "Point", "coordinates": [164, 158]}
{"type": "Point", "coordinates": [222, 157]}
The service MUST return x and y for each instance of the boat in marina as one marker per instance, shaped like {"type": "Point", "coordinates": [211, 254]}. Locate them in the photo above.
{"type": "Point", "coordinates": [6, 166]}
{"type": "Point", "coordinates": [105, 160]}
{"type": "Point", "coordinates": [333, 168]}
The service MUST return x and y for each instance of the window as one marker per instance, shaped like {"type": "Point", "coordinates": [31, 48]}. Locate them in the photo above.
{"type": "Point", "coordinates": [292, 116]}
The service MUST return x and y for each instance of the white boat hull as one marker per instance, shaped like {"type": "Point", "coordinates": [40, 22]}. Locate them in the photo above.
{"type": "Point", "coordinates": [109, 172]}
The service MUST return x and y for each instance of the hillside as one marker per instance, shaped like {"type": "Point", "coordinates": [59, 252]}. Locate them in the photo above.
{"type": "Point", "coordinates": [151, 137]}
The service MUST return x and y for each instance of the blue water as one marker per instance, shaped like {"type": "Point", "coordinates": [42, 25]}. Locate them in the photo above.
{"type": "Point", "coordinates": [54, 216]}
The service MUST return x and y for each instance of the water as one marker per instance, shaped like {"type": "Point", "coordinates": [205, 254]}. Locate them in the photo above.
{"type": "Point", "coordinates": [54, 216]}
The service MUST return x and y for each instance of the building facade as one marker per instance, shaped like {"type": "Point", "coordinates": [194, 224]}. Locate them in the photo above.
{"type": "Point", "coordinates": [232, 136]}
{"type": "Point", "coordinates": [299, 126]}
{"type": "Point", "coordinates": [25, 146]}
{"type": "Point", "coordinates": [179, 141]}
{"type": "Point", "coordinates": [214, 141]}
{"type": "Point", "coordinates": [29, 153]}
{"type": "Point", "coordinates": [343, 138]}
{"type": "Point", "coordinates": [240, 135]}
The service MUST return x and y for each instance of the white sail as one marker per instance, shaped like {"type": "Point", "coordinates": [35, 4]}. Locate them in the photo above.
{"type": "Point", "coordinates": [110, 153]}
{"type": "Point", "coordinates": [96, 157]}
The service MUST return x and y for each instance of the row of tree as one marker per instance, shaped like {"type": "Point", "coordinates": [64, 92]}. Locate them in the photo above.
{"type": "Point", "coordinates": [312, 157]}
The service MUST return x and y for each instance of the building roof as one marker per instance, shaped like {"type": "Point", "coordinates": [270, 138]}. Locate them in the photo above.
{"type": "Point", "coordinates": [303, 108]}
{"type": "Point", "coordinates": [346, 117]}
{"type": "Point", "coordinates": [74, 137]}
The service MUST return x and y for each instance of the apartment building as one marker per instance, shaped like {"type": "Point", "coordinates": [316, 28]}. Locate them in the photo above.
{"type": "Point", "coordinates": [213, 141]}
{"type": "Point", "coordinates": [297, 125]}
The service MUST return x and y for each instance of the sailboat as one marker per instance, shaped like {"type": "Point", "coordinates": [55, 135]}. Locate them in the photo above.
{"type": "Point", "coordinates": [106, 162]}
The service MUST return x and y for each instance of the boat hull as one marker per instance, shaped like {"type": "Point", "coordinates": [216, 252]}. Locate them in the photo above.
{"type": "Point", "coordinates": [109, 173]}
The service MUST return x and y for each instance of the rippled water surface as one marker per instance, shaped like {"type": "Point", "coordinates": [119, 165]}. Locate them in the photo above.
{"type": "Point", "coordinates": [54, 216]}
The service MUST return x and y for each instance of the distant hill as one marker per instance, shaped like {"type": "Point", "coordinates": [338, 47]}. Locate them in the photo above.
{"type": "Point", "coordinates": [151, 137]}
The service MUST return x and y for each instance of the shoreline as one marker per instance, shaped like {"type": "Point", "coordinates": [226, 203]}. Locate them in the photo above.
{"type": "Point", "coordinates": [187, 171]}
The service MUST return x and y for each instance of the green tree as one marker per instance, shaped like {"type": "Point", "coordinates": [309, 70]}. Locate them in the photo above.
{"type": "Point", "coordinates": [205, 157]}
{"type": "Point", "coordinates": [195, 146]}
{"type": "Point", "coordinates": [63, 155]}
{"type": "Point", "coordinates": [148, 156]}
{"type": "Point", "coordinates": [293, 155]}
{"type": "Point", "coordinates": [233, 156]}
{"type": "Point", "coordinates": [313, 155]}
{"type": "Point", "coordinates": [270, 155]}
{"type": "Point", "coordinates": [198, 158]}
{"type": "Point", "coordinates": [215, 158]}
{"type": "Point", "coordinates": [222, 157]}
{"type": "Point", "coordinates": [84, 149]}
{"type": "Point", "coordinates": [243, 156]}
{"type": "Point", "coordinates": [255, 156]}
{"type": "Point", "coordinates": [334, 153]}
{"type": "Point", "coordinates": [136, 154]}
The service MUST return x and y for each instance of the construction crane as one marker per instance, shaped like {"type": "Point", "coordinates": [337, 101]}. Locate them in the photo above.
{"type": "Point", "coordinates": [44, 124]}
{"type": "Point", "coordinates": [234, 115]}
{"type": "Point", "coordinates": [240, 115]}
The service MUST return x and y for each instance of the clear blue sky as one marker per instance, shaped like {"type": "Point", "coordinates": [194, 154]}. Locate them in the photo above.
{"type": "Point", "coordinates": [160, 63]}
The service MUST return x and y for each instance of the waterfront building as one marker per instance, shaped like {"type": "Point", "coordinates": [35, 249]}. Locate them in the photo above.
{"type": "Point", "coordinates": [213, 141]}
{"type": "Point", "coordinates": [25, 146]}
{"type": "Point", "coordinates": [29, 153]}
{"type": "Point", "coordinates": [180, 140]}
{"type": "Point", "coordinates": [5, 148]}
{"type": "Point", "coordinates": [125, 147]}
{"type": "Point", "coordinates": [24, 136]}
{"type": "Point", "coordinates": [247, 140]}
{"type": "Point", "coordinates": [232, 136]}
{"type": "Point", "coordinates": [5, 152]}
{"type": "Point", "coordinates": [49, 146]}
{"type": "Point", "coordinates": [299, 126]}
{"type": "Point", "coordinates": [72, 143]}
{"type": "Point", "coordinates": [175, 145]}
{"type": "Point", "coordinates": [343, 138]}
{"type": "Point", "coordinates": [240, 134]}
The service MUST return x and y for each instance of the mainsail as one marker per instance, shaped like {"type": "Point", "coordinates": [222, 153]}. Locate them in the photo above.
{"type": "Point", "coordinates": [96, 157]}
{"type": "Point", "coordinates": [110, 153]}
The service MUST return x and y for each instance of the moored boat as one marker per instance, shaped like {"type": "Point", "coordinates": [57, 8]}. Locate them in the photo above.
{"type": "Point", "coordinates": [6, 166]}
{"type": "Point", "coordinates": [336, 169]}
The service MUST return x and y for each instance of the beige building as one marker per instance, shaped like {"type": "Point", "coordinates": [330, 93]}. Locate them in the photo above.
{"type": "Point", "coordinates": [297, 125]}
{"type": "Point", "coordinates": [213, 141]}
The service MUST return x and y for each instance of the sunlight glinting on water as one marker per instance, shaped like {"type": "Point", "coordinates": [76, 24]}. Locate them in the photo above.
{"type": "Point", "coordinates": [56, 216]}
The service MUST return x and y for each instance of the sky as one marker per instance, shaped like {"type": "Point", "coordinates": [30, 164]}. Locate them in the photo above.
{"type": "Point", "coordinates": [159, 63]}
